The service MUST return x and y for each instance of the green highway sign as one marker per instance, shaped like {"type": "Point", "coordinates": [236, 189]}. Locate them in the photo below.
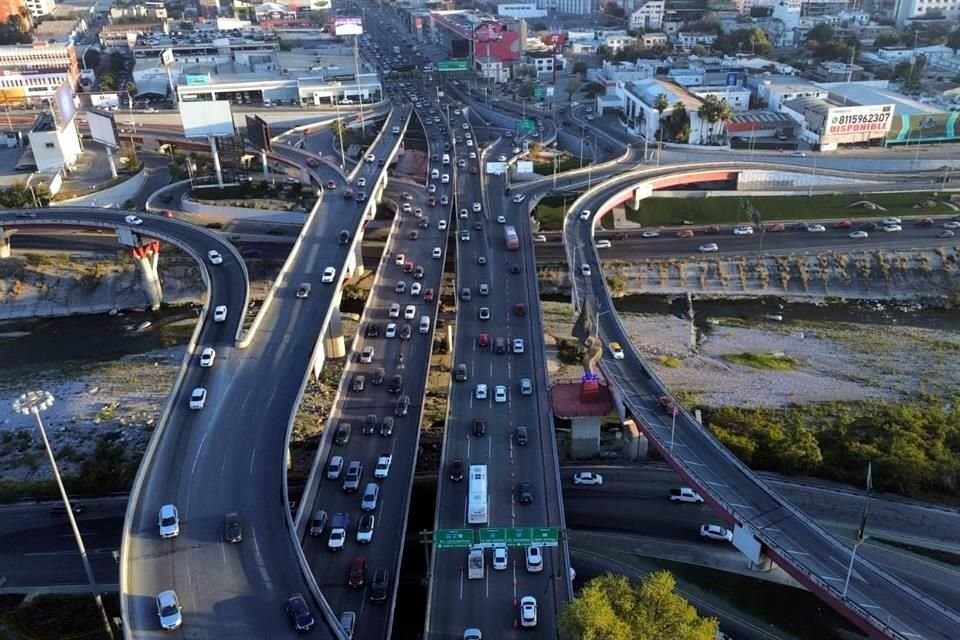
{"type": "Point", "coordinates": [546, 536]}
{"type": "Point", "coordinates": [453, 538]}
{"type": "Point", "coordinates": [527, 125]}
{"type": "Point", "coordinates": [519, 536]}
{"type": "Point", "coordinates": [452, 65]}
{"type": "Point", "coordinates": [493, 536]}
{"type": "Point", "coordinates": [538, 92]}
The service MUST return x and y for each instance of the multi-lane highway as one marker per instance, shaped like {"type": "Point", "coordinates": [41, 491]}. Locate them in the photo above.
{"type": "Point", "coordinates": [229, 456]}
{"type": "Point", "coordinates": [873, 598]}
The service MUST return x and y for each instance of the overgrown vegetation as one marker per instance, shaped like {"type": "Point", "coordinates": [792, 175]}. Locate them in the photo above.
{"type": "Point", "coordinates": [56, 617]}
{"type": "Point", "coordinates": [670, 211]}
{"type": "Point", "coordinates": [774, 361]}
{"type": "Point", "coordinates": [570, 351]}
{"type": "Point", "coordinates": [913, 446]}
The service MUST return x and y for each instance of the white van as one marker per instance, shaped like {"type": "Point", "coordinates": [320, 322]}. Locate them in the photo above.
{"type": "Point", "coordinates": [424, 324]}
{"type": "Point", "coordinates": [446, 158]}
{"type": "Point", "coordinates": [435, 174]}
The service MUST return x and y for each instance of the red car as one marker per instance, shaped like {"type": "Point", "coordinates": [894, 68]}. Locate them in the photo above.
{"type": "Point", "coordinates": [926, 222]}
{"type": "Point", "coordinates": [428, 295]}
{"type": "Point", "coordinates": [520, 309]}
{"type": "Point", "coordinates": [775, 228]}
{"type": "Point", "coordinates": [843, 224]}
{"type": "Point", "coordinates": [483, 340]}
{"type": "Point", "coordinates": [714, 228]}
{"type": "Point", "coordinates": [408, 266]}
{"type": "Point", "coordinates": [331, 184]}
{"type": "Point", "coordinates": [668, 405]}
{"type": "Point", "coordinates": [431, 201]}
{"type": "Point", "coordinates": [358, 572]}
{"type": "Point", "coordinates": [685, 233]}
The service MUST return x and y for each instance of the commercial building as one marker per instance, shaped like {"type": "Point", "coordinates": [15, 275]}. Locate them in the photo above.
{"type": "Point", "coordinates": [492, 46]}
{"type": "Point", "coordinates": [588, 41]}
{"type": "Point", "coordinates": [648, 16]}
{"type": "Point", "coordinates": [737, 97]}
{"type": "Point", "coordinates": [567, 7]}
{"type": "Point", "coordinates": [906, 10]}
{"type": "Point", "coordinates": [686, 40]}
{"type": "Point", "coordinates": [31, 73]}
{"type": "Point", "coordinates": [775, 90]}
{"type": "Point", "coordinates": [655, 39]}
{"type": "Point", "coordinates": [524, 11]}
{"type": "Point", "coordinates": [271, 89]}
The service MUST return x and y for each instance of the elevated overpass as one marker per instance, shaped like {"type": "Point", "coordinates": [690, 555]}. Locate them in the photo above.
{"type": "Point", "coordinates": [766, 526]}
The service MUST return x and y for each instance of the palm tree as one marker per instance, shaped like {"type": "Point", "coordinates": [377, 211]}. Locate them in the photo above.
{"type": "Point", "coordinates": [706, 112]}
{"type": "Point", "coordinates": [660, 105]}
{"type": "Point", "coordinates": [724, 112]}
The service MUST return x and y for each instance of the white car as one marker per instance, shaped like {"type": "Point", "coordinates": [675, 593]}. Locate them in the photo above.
{"type": "Point", "coordinates": [540, 238]}
{"type": "Point", "coordinates": [716, 532]}
{"type": "Point", "coordinates": [382, 469]}
{"type": "Point", "coordinates": [391, 331]}
{"type": "Point", "coordinates": [500, 394]}
{"type": "Point", "coordinates": [445, 178]}
{"type": "Point", "coordinates": [371, 157]}
{"type": "Point", "coordinates": [220, 313]}
{"type": "Point", "coordinates": [951, 224]}
{"type": "Point", "coordinates": [366, 356]}
{"type": "Point", "coordinates": [585, 214]}
{"type": "Point", "coordinates": [415, 289]}
{"type": "Point", "coordinates": [207, 356]}
{"type": "Point", "coordinates": [198, 398]}
{"type": "Point", "coordinates": [502, 219]}
{"type": "Point", "coordinates": [816, 228]}
{"type": "Point", "coordinates": [520, 197]}
{"type": "Point", "coordinates": [477, 208]}
{"type": "Point", "coordinates": [481, 392]}
{"type": "Point", "coordinates": [442, 225]}
{"type": "Point", "coordinates": [169, 521]}
{"type": "Point", "coordinates": [361, 182]}
{"type": "Point", "coordinates": [168, 609]}
{"type": "Point", "coordinates": [528, 611]}
{"type": "Point", "coordinates": [214, 256]}
{"type": "Point", "coordinates": [892, 220]}
{"type": "Point", "coordinates": [650, 234]}
{"type": "Point", "coordinates": [500, 558]}
{"type": "Point", "coordinates": [399, 259]}
{"type": "Point", "coordinates": [534, 559]}
{"type": "Point", "coordinates": [394, 311]}
{"type": "Point", "coordinates": [432, 188]}
{"type": "Point", "coordinates": [407, 207]}
{"type": "Point", "coordinates": [409, 312]}
{"type": "Point", "coordinates": [334, 467]}
{"type": "Point", "coordinates": [518, 345]}
{"type": "Point", "coordinates": [744, 230]}
{"type": "Point", "coordinates": [437, 253]}
{"type": "Point", "coordinates": [133, 220]}
{"type": "Point", "coordinates": [588, 478]}
{"type": "Point", "coordinates": [328, 275]}
{"type": "Point", "coordinates": [710, 247]}
{"type": "Point", "coordinates": [858, 235]}
{"type": "Point", "coordinates": [464, 214]}
{"type": "Point", "coordinates": [585, 270]}
{"type": "Point", "coordinates": [473, 155]}
{"type": "Point", "coordinates": [892, 227]}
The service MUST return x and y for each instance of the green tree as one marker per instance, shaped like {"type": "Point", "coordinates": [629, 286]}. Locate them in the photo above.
{"type": "Point", "coordinates": [593, 89]}
{"type": "Point", "coordinates": [660, 104]}
{"type": "Point", "coordinates": [580, 67]}
{"type": "Point", "coordinates": [540, 26]}
{"type": "Point", "coordinates": [699, 50]}
{"type": "Point", "coordinates": [338, 129]}
{"type": "Point", "coordinates": [526, 90]}
{"type": "Point", "coordinates": [108, 81]}
{"type": "Point", "coordinates": [572, 86]}
{"type": "Point", "coordinates": [887, 39]}
{"type": "Point", "coordinates": [820, 33]}
{"type": "Point", "coordinates": [615, 10]}
{"type": "Point", "coordinates": [610, 608]}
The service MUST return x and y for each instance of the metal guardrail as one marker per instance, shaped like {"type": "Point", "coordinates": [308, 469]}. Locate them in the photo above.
{"type": "Point", "coordinates": [785, 554]}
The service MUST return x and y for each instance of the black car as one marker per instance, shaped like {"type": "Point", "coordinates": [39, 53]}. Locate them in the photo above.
{"type": "Point", "coordinates": [406, 331]}
{"type": "Point", "coordinates": [344, 237]}
{"type": "Point", "coordinates": [396, 383]}
{"type": "Point", "coordinates": [369, 425]}
{"type": "Point", "coordinates": [232, 529]}
{"type": "Point", "coordinates": [386, 427]}
{"type": "Point", "coordinates": [514, 268]}
{"type": "Point", "coordinates": [479, 426]}
{"type": "Point", "coordinates": [299, 613]}
{"type": "Point", "coordinates": [373, 330]}
{"type": "Point", "coordinates": [869, 226]}
{"type": "Point", "coordinates": [60, 509]}
{"type": "Point", "coordinates": [403, 406]}
{"type": "Point", "coordinates": [378, 586]}
{"type": "Point", "coordinates": [413, 235]}
{"type": "Point", "coordinates": [343, 433]}
{"type": "Point", "coordinates": [377, 377]}
{"type": "Point", "coordinates": [524, 492]}
{"type": "Point", "coordinates": [418, 273]}
{"type": "Point", "coordinates": [456, 469]}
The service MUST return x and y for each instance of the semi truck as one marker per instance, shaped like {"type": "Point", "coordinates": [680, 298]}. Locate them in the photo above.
{"type": "Point", "coordinates": [475, 564]}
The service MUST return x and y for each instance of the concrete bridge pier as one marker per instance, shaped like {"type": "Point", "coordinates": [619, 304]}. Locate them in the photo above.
{"type": "Point", "coordinates": [358, 269]}
{"type": "Point", "coordinates": [765, 564]}
{"type": "Point", "coordinates": [585, 437]}
{"type": "Point", "coordinates": [5, 243]}
{"type": "Point", "coordinates": [636, 445]}
{"type": "Point", "coordinates": [147, 256]}
{"type": "Point", "coordinates": [333, 343]}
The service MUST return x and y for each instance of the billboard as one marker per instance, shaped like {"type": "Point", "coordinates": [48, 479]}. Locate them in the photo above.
{"type": "Point", "coordinates": [258, 133]}
{"type": "Point", "coordinates": [488, 32]}
{"type": "Point", "coordinates": [66, 107]}
{"type": "Point", "coordinates": [103, 128]}
{"type": "Point", "coordinates": [105, 100]}
{"type": "Point", "coordinates": [194, 79]}
{"type": "Point", "coordinates": [206, 118]}
{"type": "Point", "coordinates": [524, 166]}
{"type": "Point", "coordinates": [348, 25]}
{"type": "Point", "coordinates": [856, 124]}
{"type": "Point", "coordinates": [496, 168]}
{"type": "Point", "coordinates": [925, 127]}
{"type": "Point", "coordinates": [166, 57]}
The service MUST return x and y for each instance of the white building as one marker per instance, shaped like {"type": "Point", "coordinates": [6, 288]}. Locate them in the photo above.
{"type": "Point", "coordinates": [906, 10]}
{"type": "Point", "coordinates": [688, 39]}
{"type": "Point", "coordinates": [788, 12]}
{"type": "Point", "coordinates": [776, 90]}
{"type": "Point", "coordinates": [544, 62]}
{"type": "Point", "coordinates": [737, 97]}
{"type": "Point", "coordinates": [40, 8]}
{"type": "Point", "coordinates": [54, 149]}
{"type": "Point", "coordinates": [568, 7]}
{"type": "Point", "coordinates": [521, 11]}
{"type": "Point", "coordinates": [31, 73]}
{"type": "Point", "coordinates": [649, 16]}
{"type": "Point", "coordinates": [637, 100]}
{"type": "Point", "coordinates": [582, 41]}
{"type": "Point", "coordinates": [625, 71]}
{"type": "Point", "coordinates": [651, 40]}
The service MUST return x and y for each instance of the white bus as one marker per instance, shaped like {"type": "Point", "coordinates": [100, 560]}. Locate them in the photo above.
{"type": "Point", "coordinates": [477, 507]}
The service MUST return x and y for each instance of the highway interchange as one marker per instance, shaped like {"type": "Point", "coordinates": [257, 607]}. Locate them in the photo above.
{"type": "Point", "coordinates": [202, 460]}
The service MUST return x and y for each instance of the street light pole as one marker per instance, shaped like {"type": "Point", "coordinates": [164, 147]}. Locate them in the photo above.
{"type": "Point", "coordinates": [343, 127]}
{"type": "Point", "coordinates": [33, 403]}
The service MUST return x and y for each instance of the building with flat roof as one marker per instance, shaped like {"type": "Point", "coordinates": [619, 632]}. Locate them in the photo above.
{"type": "Point", "coordinates": [60, 31]}
{"type": "Point", "coordinates": [493, 46]}
{"type": "Point", "coordinates": [30, 73]}
{"type": "Point", "coordinates": [54, 148]}
{"type": "Point", "coordinates": [637, 100]}
{"type": "Point", "coordinates": [775, 90]}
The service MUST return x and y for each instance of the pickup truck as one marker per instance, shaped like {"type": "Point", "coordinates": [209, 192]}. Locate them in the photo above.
{"type": "Point", "coordinates": [685, 494]}
{"type": "Point", "coordinates": [338, 531]}
{"type": "Point", "coordinates": [475, 564]}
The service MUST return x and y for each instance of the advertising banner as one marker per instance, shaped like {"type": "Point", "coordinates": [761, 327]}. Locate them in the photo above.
{"type": "Point", "coordinates": [105, 100]}
{"type": "Point", "coordinates": [258, 133]}
{"type": "Point", "coordinates": [348, 25]}
{"type": "Point", "coordinates": [524, 166]}
{"type": "Point", "coordinates": [925, 127]}
{"type": "Point", "coordinates": [66, 107]}
{"type": "Point", "coordinates": [206, 118]}
{"type": "Point", "coordinates": [496, 168]}
{"type": "Point", "coordinates": [194, 79]}
{"type": "Point", "coordinates": [166, 57]}
{"type": "Point", "coordinates": [856, 124]}
{"type": "Point", "coordinates": [103, 128]}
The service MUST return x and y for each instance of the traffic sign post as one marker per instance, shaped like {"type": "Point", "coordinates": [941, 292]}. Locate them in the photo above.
{"type": "Point", "coordinates": [452, 65]}
{"type": "Point", "coordinates": [490, 537]}
{"type": "Point", "coordinates": [527, 125]}
{"type": "Point", "coordinates": [519, 536]}
{"type": "Point", "coordinates": [545, 536]}
{"type": "Point", "coordinates": [453, 538]}
{"type": "Point", "coordinates": [538, 92]}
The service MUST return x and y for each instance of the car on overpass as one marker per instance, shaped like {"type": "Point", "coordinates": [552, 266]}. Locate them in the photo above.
{"type": "Point", "coordinates": [716, 532]}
